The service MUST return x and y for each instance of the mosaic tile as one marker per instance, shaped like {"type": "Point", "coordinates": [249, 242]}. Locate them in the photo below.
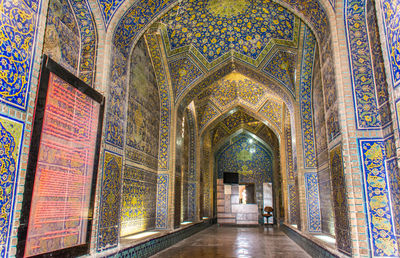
{"type": "Point", "coordinates": [293, 204]}
{"type": "Point", "coordinates": [162, 201]}
{"type": "Point", "coordinates": [379, 205]}
{"type": "Point", "coordinates": [214, 32]}
{"type": "Point", "coordinates": [312, 202]}
{"type": "Point", "coordinates": [183, 73]}
{"type": "Point", "coordinates": [394, 182]}
{"type": "Point", "coordinates": [11, 139]}
{"type": "Point", "coordinates": [314, 13]}
{"type": "Point", "coordinates": [192, 146]}
{"type": "Point", "coordinates": [165, 100]}
{"type": "Point", "coordinates": [108, 233]}
{"type": "Point", "coordinates": [88, 32]}
{"type": "Point", "coordinates": [135, 20]}
{"type": "Point", "coordinates": [192, 201]}
{"type": "Point", "coordinates": [281, 67]}
{"type": "Point", "coordinates": [391, 20]}
{"type": "Point", "coordinates": [108, 9]}
{"type": "Point", "coordinates": [238, 118]}
{"type": "Point", "coordinates": [273, 88]}
{"type": "Point", "coordinates": [364, 91]}
{"type": "Point", "coordinates": [247, 157]}
{"type": "Point", "coordinates": [205, 114]}
{"type": "Point", "coordinates": [115, 113]}
{"type": "Point", "coordinates": [306, 99]}
{"type": "Point", "coordinates": [62, 39]}
{"type": "Point", "coordinates": [289, 155]}
{"type": "Point", "coordinates": [273, 111]}
{"type": "Point", "coordinates": [18, 33]}
{"type": "Point", "coordinates": [321, 140]}
{"type": "Point", "coordinates": [234, 88]}
{"type": "Point", "coordinates": [204, 84]}
{"type": "Point", "coordinates": [138, 212]}
{"type": "Point", "coordinates": [143, 114]}
{"type": "Point", "coordinates": [218, 134]}
{"type": "Point", "coordinates": [342, 224]}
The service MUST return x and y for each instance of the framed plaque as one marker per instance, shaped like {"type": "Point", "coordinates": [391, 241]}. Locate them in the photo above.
{"type": "Point", "coordinates": [58, 201]}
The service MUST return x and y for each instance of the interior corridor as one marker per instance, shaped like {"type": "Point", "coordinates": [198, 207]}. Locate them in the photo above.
{"type": "Point", "coordinates": [226, 241]}
{"type": "Point", "coordinates": [131, 126]}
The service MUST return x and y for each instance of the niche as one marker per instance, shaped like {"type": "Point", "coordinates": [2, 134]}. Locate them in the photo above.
{"type": "Point", "coordinates": [247, 194]}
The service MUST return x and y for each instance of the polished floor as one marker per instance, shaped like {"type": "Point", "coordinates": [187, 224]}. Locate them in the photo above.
{"type": "Point", "coordinates": [236, 242]}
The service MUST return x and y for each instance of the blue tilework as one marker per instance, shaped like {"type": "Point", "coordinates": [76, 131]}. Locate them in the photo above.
{"type": "Point", "coordinates": [192, 178]}
{"type": "Point", "coordinates": [247, 157]}
{"type": "Point", "coordinates": [183, 73]}
{"type": "Point", "coordinates": [391, 20]}
{"type": "Point", "coordinates": [340, 206]}
{"type": "Point", "coordinates": [289, 154]}
{"type": "Point", "coordinates": [108, 229]}
{"type": "Point", "coordinates": [88, 32]}
{"type": "Point", "coordinates": [11, 140]}
{"type": "Point", "coordinates": [306, 110]}
{"type": "Point", "coordinates": [293, 204]}
{"type": "Point", "coordinates": [312, 201]}
{"type": "Point", "coordinates": [18, 34]}
{"type": "Point", "coordinates": [367, 113]}
{"type": "Point", "coordinates": [281, 67]}
{"type": "Point", "coordinates": [214, 28]}
{"type": "Point", "coordinates": [165, 100]}
{"type": "Point", "coordinates": [108, 9]}
{"type": "Point", "coordinates": [162, 201]}
{"type": "Point", "coordinates": [379, 205]}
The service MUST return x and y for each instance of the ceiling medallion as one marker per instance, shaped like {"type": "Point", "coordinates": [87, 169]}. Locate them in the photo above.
{"type": "Point", "coordinates": [227, 8]}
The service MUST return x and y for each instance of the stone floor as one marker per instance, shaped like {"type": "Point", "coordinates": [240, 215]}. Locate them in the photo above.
{"type": "Point", "coordinates": [236, 242]}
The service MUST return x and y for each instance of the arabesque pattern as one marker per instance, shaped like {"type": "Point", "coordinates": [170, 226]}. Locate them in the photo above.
{"type": "Point", "coordinates": [391, 19]}
{"type": "Point", "coordinates": [306, 99]}
{"type": "Point", "coordinates": [214, 33]}
{"type": "Point", "coordinates": [379, 205]}
{"type": "Point", "coordinates": [11, 138]}
{"type": "Point", "coordinates": [18, 33]}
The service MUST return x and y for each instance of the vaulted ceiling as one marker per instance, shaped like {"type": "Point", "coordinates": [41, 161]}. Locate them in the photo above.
{"type": "Point", "coordinates": [198, 37]}
{"type": "Point", "coordinates": [235, 90]}
{"type": "Point", "coordinates": [225, 54]}
{"type": "Point", "coordinates": [214, 30]}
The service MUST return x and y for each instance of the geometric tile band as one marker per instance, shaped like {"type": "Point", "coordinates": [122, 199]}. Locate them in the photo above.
{"type": "Point", "coordinates": [165, 99]}
{"type": "Point", "coordinates": [162, 201]}
{"type": "Point", "coordinates": [312, 201]}
{"type": "Point", "coordinates": [306, 99]}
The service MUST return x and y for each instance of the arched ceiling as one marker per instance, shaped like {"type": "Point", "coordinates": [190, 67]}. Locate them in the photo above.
{"type": "Point", "coordinates": [235, 90]}
{"type": "Point", "coordinates": [219, 136]}
{"type": "Point", "coordinates": [201, 38]}
{"type": "Point", "coordinates": [214, 30]}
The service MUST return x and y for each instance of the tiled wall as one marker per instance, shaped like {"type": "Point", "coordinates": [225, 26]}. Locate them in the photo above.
{"type": "Point", "coordinates": [312, 202]}
{"type": "Point", "coordinates": [139, 189]}
{"type": "Point", "coordinates": [62, 39]}
{"type": "Point", "coordinates": [321, 146]}
{"type": "Point", "coordinates": [109, 213]}
{"type": "Point", "coordinates": [366, 110]}
{"type": "Point", "coordinates": [142, 132]}
{"type": "Point", "coordinates": [340, 202]}
{"type": "Point", "coordinates": [248, 158]}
